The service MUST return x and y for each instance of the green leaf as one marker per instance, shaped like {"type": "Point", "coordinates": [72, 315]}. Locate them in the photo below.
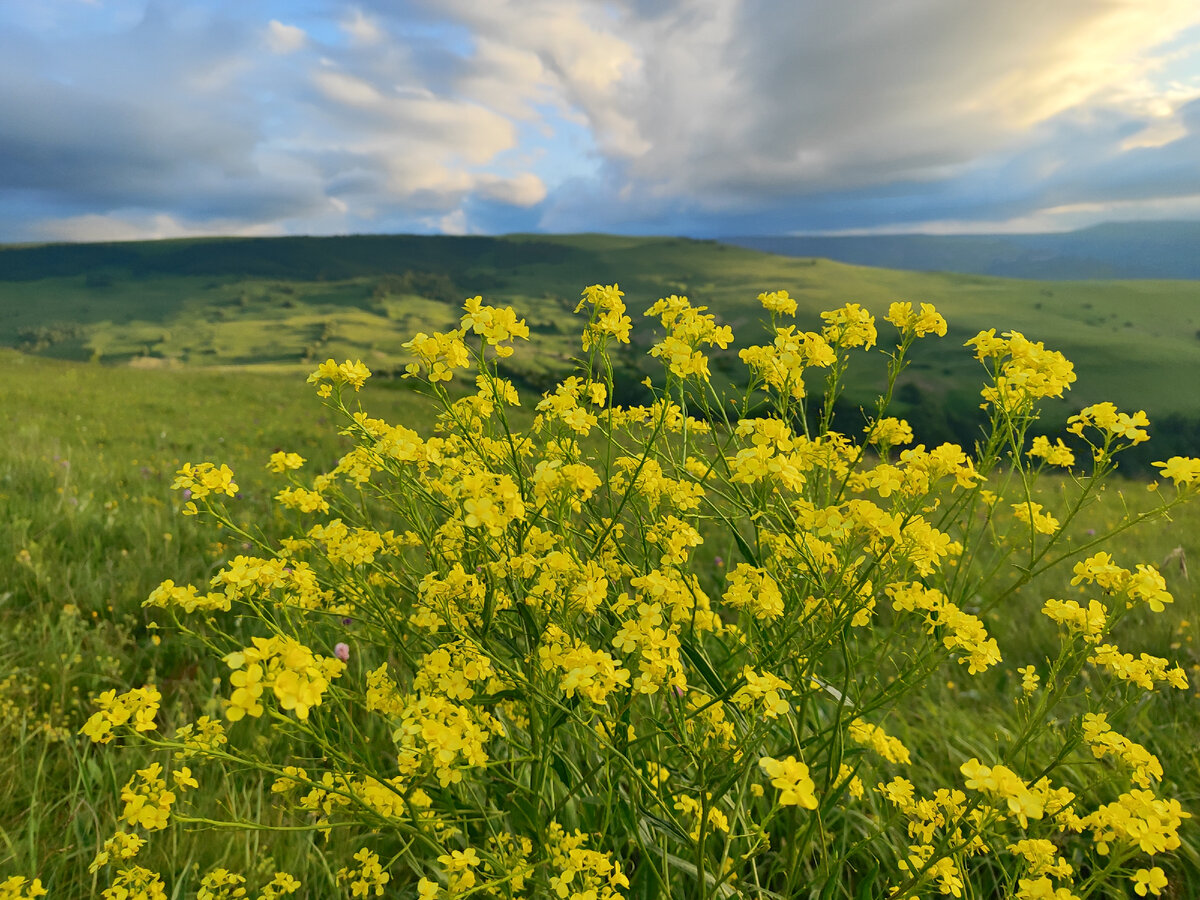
{"type": "Point", "coordinates": [747, 551]}
{"type": "Point", "coordinates": [704, 667]}
{"type": "Point", "coordinates": [667, 827]}
{"type": "Point", "coordinates": [710, 880]}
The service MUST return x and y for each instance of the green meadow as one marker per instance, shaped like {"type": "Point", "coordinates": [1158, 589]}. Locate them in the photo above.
{"type": "Point", "coordinates": [125, 361]}
{"type": "Point", "coordinates": [284, 302]}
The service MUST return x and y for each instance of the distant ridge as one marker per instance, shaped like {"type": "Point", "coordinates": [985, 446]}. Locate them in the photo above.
{"type": "Point", "coordinates": [1109, 250]}
{"type": "Point", "coordinates": [301, 258]}
{"type": "Point", "coordinates": [1115, 250]}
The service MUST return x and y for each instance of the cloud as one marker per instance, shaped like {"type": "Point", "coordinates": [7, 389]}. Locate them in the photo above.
{"type": "Point", "coordinates": [93, 227]}
{"type": "Point", "coordinates": [715, 111]}
{"type": "Point", "coordinates": [743, 100]}
{"type": "Point", "coordinates": [523, 190]}
{"type": "Point", "coordinates": [180, 124]}
{"type": "Point", "coordinates": [285, 38]}
{"type": "Point", "coordinates": [347, 89]}
{"type": "Point", "coordinates": [361, 29]}
{"type": "Point", "coordinates": [692, 116]}
{"type": "Point", "coordinates": [570, 47]}
{"type": "Point", "coordinates": [452, 223]}
{"type": "Point", "coordinates": [87, 131]}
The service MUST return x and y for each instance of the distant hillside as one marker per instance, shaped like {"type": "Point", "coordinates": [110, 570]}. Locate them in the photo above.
{"type": "Point", "coordinates": [1113, 250]}
{"type": "Point", "coordinates": [296, 258]}
{"type": "Point", "coordinates": [285, 303]}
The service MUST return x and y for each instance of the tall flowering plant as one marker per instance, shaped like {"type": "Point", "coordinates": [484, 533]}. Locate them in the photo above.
{"type": "Point", "coordinates": [500, 670]}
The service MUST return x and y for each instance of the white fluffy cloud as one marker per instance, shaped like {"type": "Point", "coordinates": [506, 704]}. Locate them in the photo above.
{"type": "Point", "coordinates": [283, 38]}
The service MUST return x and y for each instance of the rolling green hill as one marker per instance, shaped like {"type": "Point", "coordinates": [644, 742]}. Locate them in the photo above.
{"type": "Point", "coordinates": [284, 303]}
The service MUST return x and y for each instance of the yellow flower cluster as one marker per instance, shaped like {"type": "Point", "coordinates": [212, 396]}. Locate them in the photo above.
{"type": "Point", "coordinates": [780, 365]}
{"type": "Point", "coordinates": [920, 323]}
{"type": "Point", "coordinates": [453, 670]}
{"type": "Point", "coordinates": [765, 690]}
{"type": "Point", "coordinates": [889, 432]}
{"type": "Point", "coordinates": [121, 846]}
{"type": "Point", "coordinates": [201, 480]}
{"type": "Point", "coordinates": [187, 597]}
{"type": "Point", "coordinates": [961, 630]}
{"type": "Point", "coordinates": [495, 324]}
{"type": "Point", "coordinates": [778, 302]}
{"type": "Point", "coordinates": [302, 499]}
{"type": "Point", "coordinates": [1042, 857]}
{"type": "Point", "coordinates": [1144, 584]}
{"type": "Point", "coordinates": [1112, 423]}
{"type": "Point", "coordinates": [146, 797]}
{"type": "Point", "coordinates": [608, 317]}
{"type": "Point", "coordinates": [330, 373]}
{"type": "Point", "coordinates": [135, 883]}
{"type": "Point", "coordinates": [368, 877]}
{"type": "Point", "coordinates": [282, 461]}
{"type": "Point", "coordinates": [1056, 454]}
{"type": "Point", "coordinates": [136, 708]}
{"type": "Point", "coordinates": [665, 602]}
{"type": "Point", "coordinates": [867, 735]}
{"type": "Point", "coordinates": [17, 888]}
{"type": "Point", "coordinates": [1033, 514]}
{"type": "Point", "coordinates": [1029, 679]}
{"type": "Point", "coordinates": [437, 356]}
{"type": "Point", "coordinates": [204, 736]}
{"type": "Point", "coordinates": [582, 873]}
{"type": "Point", "coordinates": [790, 777]}
{"type": "Point", "coordinates": [542, 636]}
{"type": "Point", "coordinates": [1183, 470]}
{"type": "Point", "coordinates": [851, 326]}
{"type": "Point", "coordinates": [646, 479]}
{"type": "Point", "coordinates": [592, 673]}
{"type": "Point", "coordinates": [296, 676]}
{"type": "Point", "coordinates": [1104, 741]}
{"type": "Point", "coordinates": [1024, 371]}
{"type": "Point", "coordinates": [704, 816]}
{"type": "Point", "coordinates": [752, 589]}
{"type": "Point", "coordinates": [1137, 819]}
{"type": "Point", "coordinates": [345, 545]}
{"type": "Point", "coordinates": [1002, 783]}
{"type": "Point", "coordinates": [489, 501]}
{"type": "Point", "coordinates": [569, 483]}
{"type": "Point", "coordinates": [221, 884]}
{"type": "Point", "coordinates": [1090, 621]}
{"type": "Point", "coordinates": [440, 736]}
{"type": "Point", "coordinates": [1149, 880]}
{"type": "Point", "coordinates": [688, 327]}
{"type": "Point", "coordinates": [1146, 671]}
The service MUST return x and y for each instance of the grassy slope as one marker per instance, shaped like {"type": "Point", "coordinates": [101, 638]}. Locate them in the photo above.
{"type": "Point", "coordinates": [88, 527]}
{"type": "Point", "coordinates": [234, 302]}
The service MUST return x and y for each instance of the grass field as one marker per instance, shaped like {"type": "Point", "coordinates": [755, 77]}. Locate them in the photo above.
{"type": "Point", "coordinates": [89, 526]}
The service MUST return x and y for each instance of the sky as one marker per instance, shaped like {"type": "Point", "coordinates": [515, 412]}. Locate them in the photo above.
{"type": "Point", "coordinates": [129, 119]}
